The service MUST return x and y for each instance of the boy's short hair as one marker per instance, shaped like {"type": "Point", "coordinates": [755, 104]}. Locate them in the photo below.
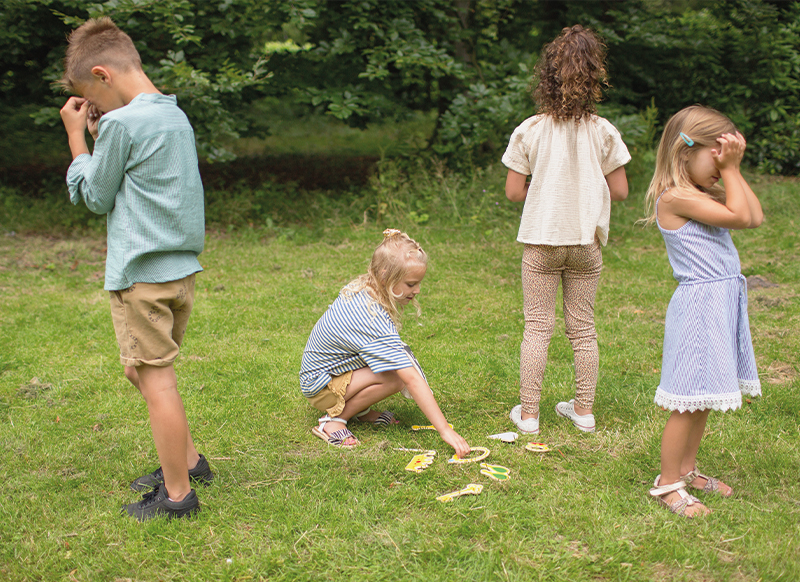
{"type": "Point", "coordinates": [97, 42]}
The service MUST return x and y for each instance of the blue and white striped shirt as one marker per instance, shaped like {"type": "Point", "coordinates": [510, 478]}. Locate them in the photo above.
{"type": "Point", "coordinates": [355, 332]}
{"type": "Point", "coordinates": [143, 174]}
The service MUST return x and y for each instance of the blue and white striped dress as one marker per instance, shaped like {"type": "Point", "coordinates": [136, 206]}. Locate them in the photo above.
{"type": "Point", "coordinates": [355, 332]}
{"type": "Point", "coordinates": [708, 351]}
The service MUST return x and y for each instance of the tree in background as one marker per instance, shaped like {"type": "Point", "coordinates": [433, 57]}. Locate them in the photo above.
{"type": "Point", "coordinates": [211, 54]}
{"type": "Point", "coordinates": [468, 62]}
{"type": "Point", "coordinates": [739, 56]}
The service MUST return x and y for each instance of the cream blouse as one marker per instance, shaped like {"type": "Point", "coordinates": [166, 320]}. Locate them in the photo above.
{"type": "Point", "coordinates": [568, 201]}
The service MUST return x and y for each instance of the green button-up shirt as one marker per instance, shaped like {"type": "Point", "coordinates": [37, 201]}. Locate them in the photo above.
{"type": "Point", "coordinates": [143, 174]}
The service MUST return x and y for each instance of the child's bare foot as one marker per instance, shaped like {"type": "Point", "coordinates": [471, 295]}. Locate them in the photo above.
{"type": "Point", "coordinates": [677, 500]}
{"type": "Point", "coordinates": [706, 484]}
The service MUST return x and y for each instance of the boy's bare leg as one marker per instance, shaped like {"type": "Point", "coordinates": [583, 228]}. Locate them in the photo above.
{"type": "Point", "coordinates": [192, 456]}
{"type": "Point", "coordinates": [159, 386]}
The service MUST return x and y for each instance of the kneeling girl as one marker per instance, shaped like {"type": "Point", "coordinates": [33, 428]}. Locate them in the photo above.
{"type": "Point", "coordinates": [355, 358]}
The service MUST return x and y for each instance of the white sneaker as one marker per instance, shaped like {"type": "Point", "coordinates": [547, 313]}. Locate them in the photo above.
{"type": "Point", "coordinates": [527, 426]}
{"type": "Point", "coordinates": [567, 410]}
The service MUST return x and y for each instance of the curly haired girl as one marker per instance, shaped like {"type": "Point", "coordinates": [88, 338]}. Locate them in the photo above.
{"type": "Point", "coordinates": [575, 160]}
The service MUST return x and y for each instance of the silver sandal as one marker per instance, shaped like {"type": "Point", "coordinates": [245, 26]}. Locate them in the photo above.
{"type": "Point", "coordinates": [711, 486]}
{"type": "Point", "coordinates": [677, 507]}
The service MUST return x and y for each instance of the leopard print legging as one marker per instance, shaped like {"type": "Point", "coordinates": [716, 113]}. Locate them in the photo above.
{"type": "Point", "coordinates": [578, 268]}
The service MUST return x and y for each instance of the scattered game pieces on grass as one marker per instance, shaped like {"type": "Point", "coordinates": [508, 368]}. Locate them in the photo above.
{"type": "Point", "coordinates": [537, 447]}
{"type": "Point", "coordinates": [484, 453]}
{"type": "Point", "coordinates": [471, 489]}
{"type": "Point", "coordinates": [506, 437]}
{"type": "Point", "coordinates": [496, 472]}
{"type": "Point", "coordinates": [421, 462]}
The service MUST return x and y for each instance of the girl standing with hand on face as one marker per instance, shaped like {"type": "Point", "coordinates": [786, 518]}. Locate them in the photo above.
{"type": "Point", "coordinates": [708, 357]}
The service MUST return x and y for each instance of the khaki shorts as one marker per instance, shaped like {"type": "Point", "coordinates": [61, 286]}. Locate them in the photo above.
{"type": "Point", "coordinates": [331, 398]}
{"type": "Point", "coordinates": [150, 320]}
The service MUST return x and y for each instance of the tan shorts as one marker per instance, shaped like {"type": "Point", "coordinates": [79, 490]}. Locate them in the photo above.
{"type": "Point", "coordinates": [331, 398]}
{"type": "Point", "coordinates": [150, 320]}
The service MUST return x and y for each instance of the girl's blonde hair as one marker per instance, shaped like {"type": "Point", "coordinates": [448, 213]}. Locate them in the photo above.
{"type": "Point", "coordinates": [571, 74]}
{"type": "Point", "coordinates": [699, 126]}
{"type": "Point", "coordinates": [390, 264]}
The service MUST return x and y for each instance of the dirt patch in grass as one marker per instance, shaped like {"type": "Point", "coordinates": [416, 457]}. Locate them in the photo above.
{"type": "Point", "coordinates": [664, 573]}
{"type": "Point", "coordinates": [781, 372]}
{"type": "Point", "coordinates": [759, 282]}
{"type": "Point", "coordinates": [34, 389]}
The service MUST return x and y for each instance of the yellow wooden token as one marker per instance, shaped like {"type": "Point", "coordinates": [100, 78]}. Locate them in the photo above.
{"type": "Point", "coordinates": [484, 453]}
{"type": "Point", "coordinates": [496, 472]}
{"type": "Point", "coordinates": [537, 447]}
{"type": "Point", "coordinates": [471, 489]}
{"type": "Point", "coordinates": [420, 462]}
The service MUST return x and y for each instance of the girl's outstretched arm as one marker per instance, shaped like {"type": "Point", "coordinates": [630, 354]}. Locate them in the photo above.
{"type": "Point", "coordinates": [516, 186]}
{"type": "Point", "coordinates": [423, 396]}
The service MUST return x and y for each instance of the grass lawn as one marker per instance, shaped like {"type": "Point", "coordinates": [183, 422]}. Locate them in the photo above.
{"type": "Point", "coordinates": [285, 506]}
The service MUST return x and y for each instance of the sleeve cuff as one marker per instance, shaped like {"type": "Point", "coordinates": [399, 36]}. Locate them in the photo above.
{"type": "Point", "coordinates": [514, 164]}
{"type": "Point", "coordinates": [75, 177]}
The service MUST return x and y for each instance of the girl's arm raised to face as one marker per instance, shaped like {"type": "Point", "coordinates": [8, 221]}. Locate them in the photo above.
{"type": "Point", "coordinates": [741, 208]}
{"type": "Point", "coordinates": [516, 186]}
{"type": "Point", "coordinates": [756, 213]}
{"type": "Point", "coordinates": [423, 396]}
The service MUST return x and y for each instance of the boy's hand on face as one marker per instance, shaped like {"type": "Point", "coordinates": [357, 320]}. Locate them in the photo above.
{"type": "Point", "coordinates": [74, 114]}
{"type": "Point", "coordinates": [75, 117]}
{"type": "Point", "coordinates": [92, 119]}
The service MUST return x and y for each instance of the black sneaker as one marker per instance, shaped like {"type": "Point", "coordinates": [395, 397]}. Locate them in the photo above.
{"type": "Point", "coordinates": [200, 474]}
{"type": "Point", "coordinates": [157, 502]}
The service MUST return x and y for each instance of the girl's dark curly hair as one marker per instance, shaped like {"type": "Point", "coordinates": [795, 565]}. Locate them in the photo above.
{"type": "Point", "coordinates": [571, 74]}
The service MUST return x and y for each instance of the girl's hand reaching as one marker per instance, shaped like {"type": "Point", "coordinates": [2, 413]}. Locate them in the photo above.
{"type": "Point", "coordinates": [730, 152]}
{"type": "Point", "coordinates": [456, 441]}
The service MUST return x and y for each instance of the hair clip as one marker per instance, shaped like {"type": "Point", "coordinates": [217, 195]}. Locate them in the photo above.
{"type": "Point", "coordinates": [390, 232]}
{"type": "Point", "coordinates": [689, 141]}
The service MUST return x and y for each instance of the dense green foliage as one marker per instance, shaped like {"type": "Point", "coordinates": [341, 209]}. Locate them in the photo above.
{"type": "Point", "coordinates": [741, 57]}
{"type": "Point", "coordinates": [469, 61]}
